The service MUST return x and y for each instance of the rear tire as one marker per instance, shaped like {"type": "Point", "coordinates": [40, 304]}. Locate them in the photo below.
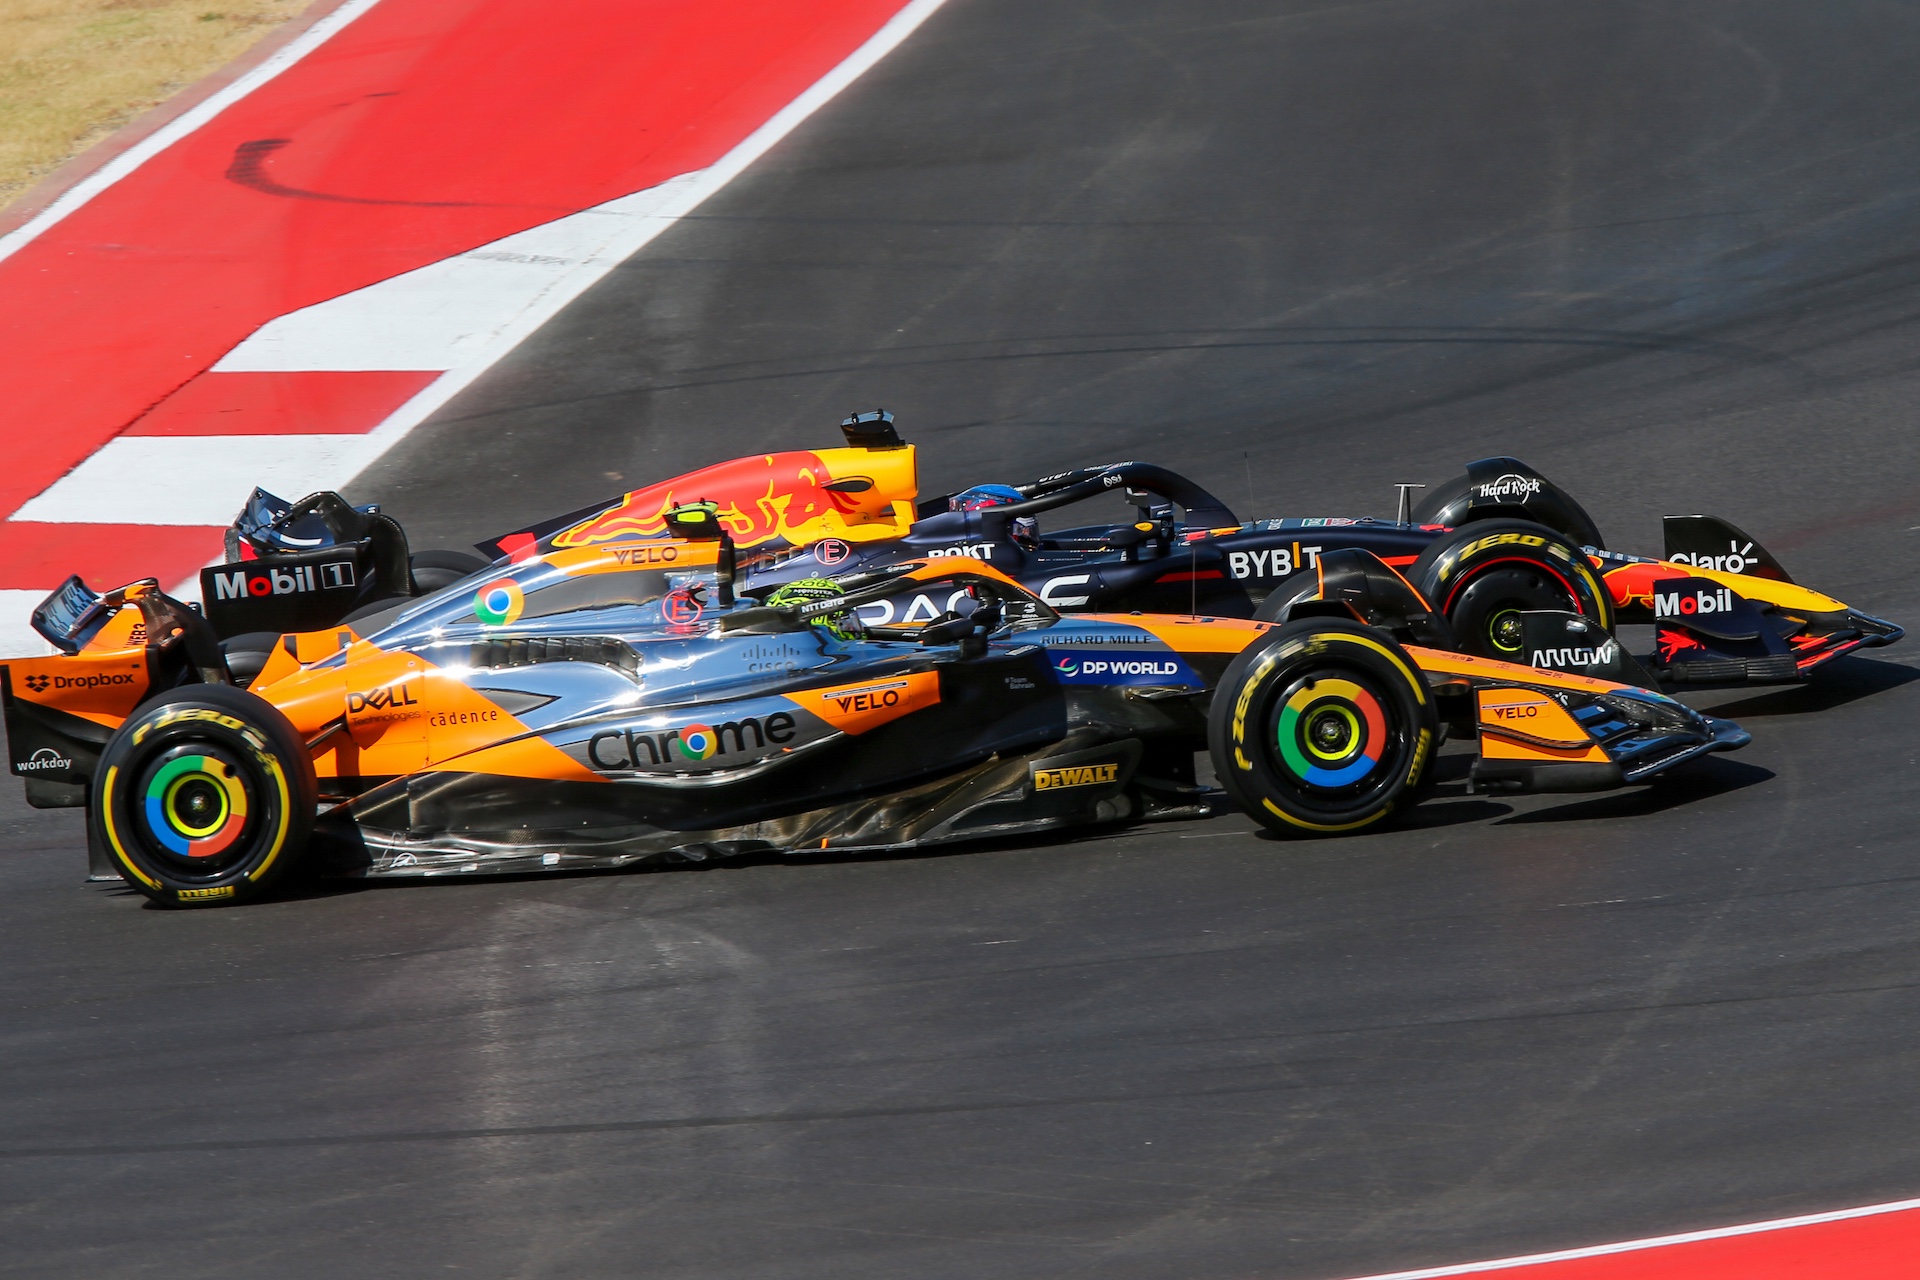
{"type": "Point", "coordinates": [1459, 502]}
{"type": "Point", "coordinates": [204, 797]}
{"type": "Point", "coordinates": [247, 653]}
{"type": "Point", "coordinates": [433, 570]}
{"type": "Point", "coordinates": [1323, 728]}
{"type": "Point", "coordinates": [1484, 575]}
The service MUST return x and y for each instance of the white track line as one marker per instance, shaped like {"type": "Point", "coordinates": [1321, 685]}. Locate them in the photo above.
{"type": "Point", "coordinates": [660, 207]}
{"type": "Point", "coordinates": [689, 191]}
{"type": "Point", "coordinates": [457, 311]}
{"type": "Point", "coordinates": [190, 121]}
{"type": "Point", "coordinates": [551, 295]}
{"type": "Point", "coordinates": [442, 316]}
{"type": "Point", "coordinates": [1654, 1242]}
{"type": "Point", "coordinates": [461, 315]}
{"type": "Point", "coordinates": [18, 639]}
{"type": "Point", "coordinates": [199, 480]}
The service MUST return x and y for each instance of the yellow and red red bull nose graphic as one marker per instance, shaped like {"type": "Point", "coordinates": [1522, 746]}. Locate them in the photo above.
{"type": "Point", "coordinates": [794, 496]}
{"type": "Point", "coordinates": [1633, 584]}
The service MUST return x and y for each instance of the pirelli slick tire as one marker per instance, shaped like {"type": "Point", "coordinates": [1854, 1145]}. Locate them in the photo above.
{"type": "Point", "coordinates": [1323, 728]}
{"type": "Point", "coordinates": [1304, 585]}
{"type": "Point", "coordinates": [433, 570]}
{"type": "Point", "coordinates": [205, 797]}
{"type": "Point", "coordinates": [1484, 575]}
{"type": "Point", "coordinates": [247, 654]}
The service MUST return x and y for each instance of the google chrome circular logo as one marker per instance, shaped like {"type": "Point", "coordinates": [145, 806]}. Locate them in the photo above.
{"type": "Point", "coordinates": [498, 604]}
{"type": "Point", "coordinates": [698, 742]}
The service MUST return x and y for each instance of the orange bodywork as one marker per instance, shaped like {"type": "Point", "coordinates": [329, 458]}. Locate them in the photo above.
{"type": "Point", "coordinates": [103, 686]}
{"type": "Point", "coordinates": [1441, 662]}
{"type": "Point", "coordinates": [856, 708]}
{"type": "Point", "coordinates": [1523, 724]}
{"type": "Point", "coordinates": [625, 556]}
{"type": "Point", "coordinates": [381, 714]}
{"type": "Point", "coordinates": [1191, 635]}
{"type": "Point", "coordinates": [103, 682]}
{"type": "Point", "coordinates": [369, 712]}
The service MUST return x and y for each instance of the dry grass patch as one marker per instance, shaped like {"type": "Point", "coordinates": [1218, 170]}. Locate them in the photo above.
{"type": "Point", "coordinates": [72, 71]}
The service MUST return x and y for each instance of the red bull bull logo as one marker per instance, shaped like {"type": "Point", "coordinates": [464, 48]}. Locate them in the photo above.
{"type": "Point", "coordinates": [797, 497]}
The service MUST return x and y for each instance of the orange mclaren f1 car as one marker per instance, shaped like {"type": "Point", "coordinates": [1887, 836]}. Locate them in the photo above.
{"type": "Point", "coordinates": [618, 702]}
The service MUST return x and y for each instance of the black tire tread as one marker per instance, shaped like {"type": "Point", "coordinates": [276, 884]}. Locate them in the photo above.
{"type": "Point", "coordinates": [279, 738]}
{"type": "Point", "coordinates": [436, 568]}
{"type": "Point", "coordinates": [1387, 660]}
{"type": "Point", "coordinates": [1535, 543]}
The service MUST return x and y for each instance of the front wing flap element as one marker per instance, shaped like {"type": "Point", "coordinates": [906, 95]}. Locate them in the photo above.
{"type": "Point", "coordinates": [1535, 740]}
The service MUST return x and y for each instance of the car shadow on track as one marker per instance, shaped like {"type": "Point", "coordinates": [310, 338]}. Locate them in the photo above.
{"type": "Point", "coordinates": [1697, 781]}
{"type": "Point", "coordinates": [1848, 680]}
{"type": "Point", "coordinates": [1449, 811]}
{"type": "Point", "coordinates": [1450, 804]}
{"type": "Point", "coordinates": [321, 886]}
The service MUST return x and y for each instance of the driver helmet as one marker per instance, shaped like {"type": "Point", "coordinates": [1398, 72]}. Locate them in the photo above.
{"type": "Point", "coordinates": [840, 623]}
{"type": "Point", "coordinates": [1025, 529]}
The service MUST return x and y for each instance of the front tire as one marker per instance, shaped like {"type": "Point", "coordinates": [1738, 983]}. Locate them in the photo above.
{"type": "Point", "coordinates": [204, 797]}
{"type": "Point", "coordinates": [1484, 575]}
{"type": "Point", "coordinates": [1304, 585]}
{"type": "Point", "coordinates": [1323, 728]}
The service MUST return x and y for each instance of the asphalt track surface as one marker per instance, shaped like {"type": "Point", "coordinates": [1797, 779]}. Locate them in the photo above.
{"type": "Point", "coordinates": [1667, 252]}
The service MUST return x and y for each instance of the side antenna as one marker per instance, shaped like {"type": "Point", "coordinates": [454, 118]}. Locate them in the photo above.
{"type": "Point", "coordinates": [1193, 578]}
{"type": "Point", "coordinates": [1406, 488]}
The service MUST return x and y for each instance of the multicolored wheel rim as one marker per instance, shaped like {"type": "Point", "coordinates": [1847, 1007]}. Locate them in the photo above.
{"type": "Point", "coordinates": [498, 604]}
{"type": "Point", "coordinates": [196, 806]}
{"type": "Point", "coordinates": [1331, 732]}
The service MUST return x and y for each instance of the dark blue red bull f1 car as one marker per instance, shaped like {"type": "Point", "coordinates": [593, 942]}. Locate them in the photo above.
{"type": "Point", "coordinates": [1485, 550]}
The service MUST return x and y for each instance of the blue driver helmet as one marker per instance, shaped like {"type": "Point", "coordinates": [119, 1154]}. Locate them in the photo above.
{"type": "Point", "coordinates": [1025, 529]}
